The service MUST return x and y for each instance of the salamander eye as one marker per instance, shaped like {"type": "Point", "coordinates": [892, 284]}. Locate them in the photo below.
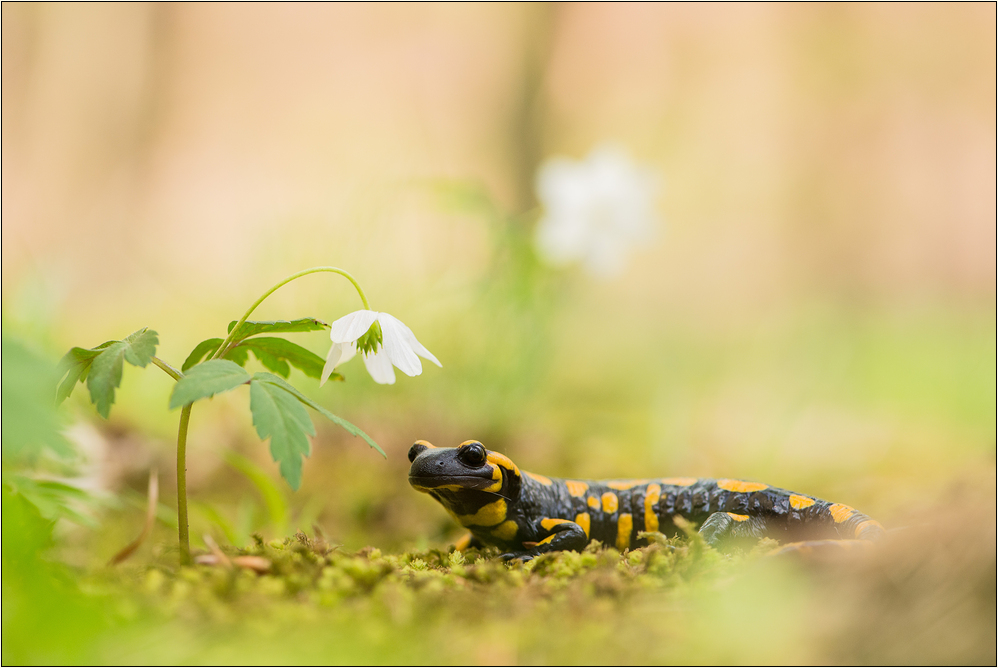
{"type": "Point", "coordinates": [472, 454]}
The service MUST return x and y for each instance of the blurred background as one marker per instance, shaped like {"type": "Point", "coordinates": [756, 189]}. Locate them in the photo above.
{"type": "Point", "coordinates": [817, 309]}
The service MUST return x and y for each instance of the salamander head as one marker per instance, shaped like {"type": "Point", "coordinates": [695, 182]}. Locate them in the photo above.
{"type": "Point", "coordinates": [456, 476]}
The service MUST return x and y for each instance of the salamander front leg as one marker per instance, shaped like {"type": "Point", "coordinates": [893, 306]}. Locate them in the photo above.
{"type": "Point", "coordinates": [558, 535]}
{"type": "Point", "coordinates": [723, 525]}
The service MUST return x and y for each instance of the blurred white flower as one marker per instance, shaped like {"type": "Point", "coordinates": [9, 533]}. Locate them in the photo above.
{"type": "Point", "coordinates": [398, 346]}
{"type": "Point", "coordinates": [595, 210]}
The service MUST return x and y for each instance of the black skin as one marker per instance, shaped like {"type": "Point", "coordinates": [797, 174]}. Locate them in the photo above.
{"type": "Point", "coordinates": [526, 515]}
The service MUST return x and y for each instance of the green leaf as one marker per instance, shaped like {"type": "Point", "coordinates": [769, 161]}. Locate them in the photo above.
{"type": "Point", "coordinates": [238, 355]}
{"type": "Point", "coordinates": [251, 328]}
{"type": "Point", "coordinates": [104, 374]}
{"type": "Point", "coordinates": [53, 499]}
{"type": "Point", "coordinates": [276, 353]}
{"type": "Point", "coordinates": [31, 423]}
{"type": "Point", "coordinates": [277, 506]}
{"type": "Point", "coordinates": [278, 415]}
{"type": "Point", "coordinates": [336, 419]}
{"type": "Point", "coordinates": [74, 367]}
{"type": "Point", "coordinates": [206, 380]}
{"type": "Point", "coordinates": [201, 350]}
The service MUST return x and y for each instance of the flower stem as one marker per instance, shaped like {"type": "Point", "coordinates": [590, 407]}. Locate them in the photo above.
{"type": "Point", "coordinates": [314, 270]}
{"type": "Point", "coordinates": [169, 369]}
{"type": "Point", "coordinates": [185, 543]}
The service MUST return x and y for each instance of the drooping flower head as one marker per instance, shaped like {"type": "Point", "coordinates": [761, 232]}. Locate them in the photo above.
{"type": "Point", "coordinates": [383, 341]}
{"type": "Point", "coordinates": [595, 210]}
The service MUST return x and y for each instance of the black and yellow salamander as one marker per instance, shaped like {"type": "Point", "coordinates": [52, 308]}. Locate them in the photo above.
{"type": "Point", "coordinates": [524, 514]}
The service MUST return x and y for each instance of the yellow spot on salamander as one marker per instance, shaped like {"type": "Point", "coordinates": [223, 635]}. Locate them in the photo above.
{"type": "Point", "coordinates": [549, 523]}
{"type": "Point", "coordinates": [548, 539]}
{"type": "Point", "coordinates": [505, 531]}
{"type": "Point", "coordinates": [497, 476]}
{"type": "Point", "coordinates": [679, 482]}
{"type": "Point", "coordinates": [863, 526]}
{"type": "Point", "coordinates": [502, 460]}
{"type": "Point", "coordinates": [624, 484]}
{"type": "Point", "coordinates": [740, 485]}
{"type": "Point", "coordinates": [738, 518]}
{"type": "Point", "coordinates": [488, 515]}
{"type": "Point", "coordinates": [652, 495]}
{"type": "Point", "coordinates": [840, 512]}
{"type": "Point", "coordinates": [624, 526]}
{"type": "Point", "coordinates": [593, 502]}
{"type": "Point", "coordinates": [798, 502]}
{"type": "Point", "coordinates": [610, 502]}
{"type": "Point", "coordinates": [426, 443]}
{"type": "Point", "coordinates": [462, 544]}
{"type": "Point", "coordinates": [449, 488]}
{"type": "Point", "coordinates": [576, 488]}
{"type": "Point", "coordinates": [582, 519]}
{"type": "Point", "coordinates": [539, 478]}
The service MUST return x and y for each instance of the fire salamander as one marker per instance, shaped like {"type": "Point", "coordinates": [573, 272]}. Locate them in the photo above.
{"type": "Point", "coordinates": [524, 514]}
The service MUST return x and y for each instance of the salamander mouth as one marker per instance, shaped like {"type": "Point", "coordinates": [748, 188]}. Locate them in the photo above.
{"type": "Point", "coordinates": [462, 481]}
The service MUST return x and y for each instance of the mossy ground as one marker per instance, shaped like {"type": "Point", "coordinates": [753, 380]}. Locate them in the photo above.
{"type": "Point", "coordinates": [923, 596]}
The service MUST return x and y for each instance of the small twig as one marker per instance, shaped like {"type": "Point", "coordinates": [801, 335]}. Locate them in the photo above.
{"type": "Point", "coordinates": [217, 551]}
{"type": "Point", "coordinates": [130, 549]}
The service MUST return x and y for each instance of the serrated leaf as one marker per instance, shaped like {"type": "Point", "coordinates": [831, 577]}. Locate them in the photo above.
{"type": "Point", "coordinates": [254, 327]}
{"type": "Point", "coordinates": [74, 367]}
{"type": "Point", "coordinates": [201, 350]}
{"type": "Point", "coordinates": [104, 374]}
{"type": "Point", "coordinates": [141, 347]}
{"type": "Point", "coordinates": [71, 370]}
{"type": "Point", "coordinates": [206, 380]}
{"type": "Point", "coordinates": [238, 355]}
{"type": "Point", "coordinates": [279, 416]}
{"type": "Point", "coordinates": [276, 353]}
{"type": "Point", "coordinates": [335, 419]}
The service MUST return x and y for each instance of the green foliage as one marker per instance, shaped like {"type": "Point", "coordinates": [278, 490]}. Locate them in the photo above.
{"type": "Point", "coordinates": [277, 507]}
{"type": "Point", "coordinates": [335, 419]}
{"type": "Point", "coordinates": [31, 424]}
{"type": "Point", "coordinates": [102, 366]}
{"type": "Point", "coordinates": [279, 415]}
{"type": "Point", "coordinates": [46, 618]}
{"type": "Point", "coordinates": [252, 328]}
{"type": "Point", "coordinates": [206, 347]}
{"type": "Point", "coordinates": [53, 499]}
{"type": "Point", "coordinates": [206, 380]}
{"type": "Point", "coordinates": [276, 354]}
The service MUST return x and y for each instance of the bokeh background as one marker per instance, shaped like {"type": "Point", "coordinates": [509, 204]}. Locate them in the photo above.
{"type": "Point", "coordinates": [817, 311]}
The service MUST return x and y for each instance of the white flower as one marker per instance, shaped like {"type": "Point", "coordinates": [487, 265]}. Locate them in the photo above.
{"type": "Point", "coordinates": [398, 346]}
{"type": "Point", "coordinates": [595, 210]}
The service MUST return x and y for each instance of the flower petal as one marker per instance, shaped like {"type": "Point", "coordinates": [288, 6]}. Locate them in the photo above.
{"type": "Point", "coordinates": [410, 339]}
{"type": "Point", "coordinates": [380, 368]}
{"type": "Point", "coordinates": [332, 359]}
{"type": "Point", "coordinates": [396, 345]}
{"type": "Point", "coordinates": [349, 350]}
{"type": "Point", "coordinates": [352, 326]}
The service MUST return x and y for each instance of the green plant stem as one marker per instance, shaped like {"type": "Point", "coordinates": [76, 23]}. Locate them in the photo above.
{"type": "Point", "coordinates": [170, 370]}
{"type": "Point", "coordinates": [185, 420]}
{"type": "Point", "coordinates": [185, 542]}
{"type": "Point", "coordinates": [314, 270]}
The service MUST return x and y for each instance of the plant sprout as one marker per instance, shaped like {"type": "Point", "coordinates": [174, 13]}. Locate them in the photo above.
{"type": "Point", "coordinates": [278, 408]}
